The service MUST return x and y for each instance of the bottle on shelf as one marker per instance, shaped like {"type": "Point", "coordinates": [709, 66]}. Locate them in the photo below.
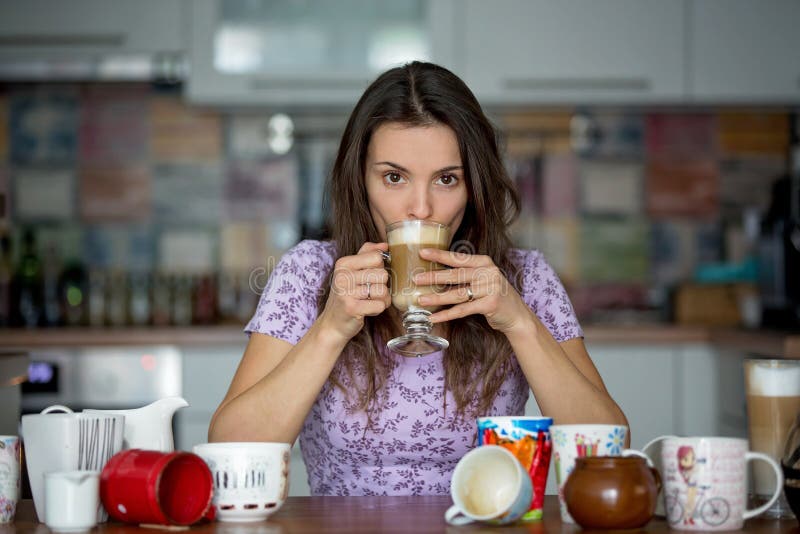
{"type": "Point", "coordinates": [139, 285]}
{"type": "Point", "coordinates": [117, 299]}
{"type": "Point", "coordinates": [182, 300]}
{"type": "Point", "coordinates": [51, 270]}
{"type": "Point", "coordinates": [97, 298]}
{"type": "Point", "coordinates": [6, 274]}
{"type": "Point", "coordinates": [205, 300]}
{"type": "Point", "coordinates": [226, 297]}
{"type": "Point", "coordinates": [162, 299]}
{"type": "Point", "coordinates": [74, 294]}
{"type": "Point", "coordinates": [28, 283]}
{"type": "Point", "coordinates": [246, 297]}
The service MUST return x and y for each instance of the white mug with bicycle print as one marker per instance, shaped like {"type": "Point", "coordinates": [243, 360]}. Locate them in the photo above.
{"type": "Point", "coordinates": [705, 482]}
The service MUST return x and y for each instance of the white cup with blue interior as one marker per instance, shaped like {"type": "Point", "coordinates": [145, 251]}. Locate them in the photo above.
{"type": "Point", "coordinates": [489, 485]}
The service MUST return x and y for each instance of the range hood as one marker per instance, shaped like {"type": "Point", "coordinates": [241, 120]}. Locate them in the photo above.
{"type": "Point", "coordinates": [93, 40]}
{"type": "Point", "coordinates": [161, 68]}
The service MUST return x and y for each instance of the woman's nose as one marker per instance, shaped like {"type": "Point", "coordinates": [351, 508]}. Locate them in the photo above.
{"type": "Point", "coordinates": [420, 206]}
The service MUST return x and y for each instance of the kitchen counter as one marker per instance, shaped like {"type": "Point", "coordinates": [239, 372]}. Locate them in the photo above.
{"type": "Point", "coordinates": [761, 342]}
{"type": "Point", "coordinates": [94, 337]}
{"type": "Point", "coordinates": [370, 514]}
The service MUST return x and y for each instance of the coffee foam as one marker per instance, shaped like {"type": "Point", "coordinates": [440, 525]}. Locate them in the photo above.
{"type": "Point", "coordinates": [770, 380]}
{"type": "Point", "coordinates": [417, 234]}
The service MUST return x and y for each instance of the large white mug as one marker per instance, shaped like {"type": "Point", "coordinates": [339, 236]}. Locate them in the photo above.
{"type": "Point", "coordinates": [705, 482]}
{"type": "Point", "coordinates": [489, 485]}
{"type": "Point", "coordinates": [68, 442]}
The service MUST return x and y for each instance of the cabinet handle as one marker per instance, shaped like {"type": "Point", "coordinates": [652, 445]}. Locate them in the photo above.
{"type": "Point", "coordinates": [282, 83]}
{"type": "Point", "coordinates": [578, 84]}
{"type": "Point", "coordinates": [65, 39]}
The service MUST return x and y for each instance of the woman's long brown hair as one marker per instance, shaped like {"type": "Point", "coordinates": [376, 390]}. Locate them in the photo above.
{"type": "Point", "coordinates": [421, 94]}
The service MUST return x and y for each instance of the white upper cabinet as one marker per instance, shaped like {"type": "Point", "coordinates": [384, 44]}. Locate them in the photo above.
{"type": "Point", "coordinates": [296, 52]}
{"type": "Point", "coordinates": [572, 51]}
{"type": "Point", "coordinates": [35, 27]}
{"type": "Point", "coordinates": [52, 40]}
{"type": "Point", "coordinates": [745, 51]}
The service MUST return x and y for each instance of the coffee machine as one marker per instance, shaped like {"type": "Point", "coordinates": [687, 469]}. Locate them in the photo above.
{"type": "Point", "coordinates": [779, 255]}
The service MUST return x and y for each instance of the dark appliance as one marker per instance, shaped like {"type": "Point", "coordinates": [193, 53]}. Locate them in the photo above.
{"type": "Point", "coordinates": [779, 255]}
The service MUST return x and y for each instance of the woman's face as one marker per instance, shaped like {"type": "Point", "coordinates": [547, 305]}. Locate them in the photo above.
{"type": "Point", "coordinates": [415, 172]}
{"type": "Point", "coordinates": [687, 461]}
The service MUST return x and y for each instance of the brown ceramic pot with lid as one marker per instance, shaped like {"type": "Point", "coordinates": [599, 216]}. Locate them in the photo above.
{"type": "Point", "coordinates": [612, 492]}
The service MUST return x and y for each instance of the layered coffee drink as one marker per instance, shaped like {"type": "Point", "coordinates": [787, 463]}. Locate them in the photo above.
{"type": "Point", "coordinates": [405, 241]}
{"type": "Point", "coordinates": [773, 401]}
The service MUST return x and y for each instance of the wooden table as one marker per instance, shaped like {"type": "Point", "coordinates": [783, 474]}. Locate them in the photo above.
{"type": "Point", "coordinates": [370, 514]}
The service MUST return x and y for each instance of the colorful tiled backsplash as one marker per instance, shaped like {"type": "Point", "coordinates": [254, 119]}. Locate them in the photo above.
{"type": "Point", "coordinates": [627, 204]}
{"type": "Point", "coordinates": [128, 178]}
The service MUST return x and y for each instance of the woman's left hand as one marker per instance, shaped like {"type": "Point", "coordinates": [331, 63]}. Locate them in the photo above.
{"type": "Point", "coordinates": [476, 286]}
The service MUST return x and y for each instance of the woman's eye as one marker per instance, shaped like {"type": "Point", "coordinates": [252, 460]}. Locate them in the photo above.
{"type": "Point", "coordinates": [447, 179]}
{"type": "Point", "coordinates": [393, 178]}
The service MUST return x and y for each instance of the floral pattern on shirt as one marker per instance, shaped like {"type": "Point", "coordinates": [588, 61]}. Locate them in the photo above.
{"type": "Point", "coordinates": [413, 444]}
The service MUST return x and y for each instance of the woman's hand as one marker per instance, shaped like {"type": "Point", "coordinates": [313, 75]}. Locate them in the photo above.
{"type": "Point", "coordinates": [359, 288]}
{"type": "Point", "coordinates": [474, 285]}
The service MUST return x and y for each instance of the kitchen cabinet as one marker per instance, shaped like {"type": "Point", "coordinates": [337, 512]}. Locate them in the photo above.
{"type": "Point", "coordinates": [207, 373]}
{"type": "Point", "coordinates": [284, 52]}
{"type": "Point", "coordinates": [510, 52]}
{"type": "Point", "coordinates": [710, 391]}
{"type": "Point", "coordinates": [744, 51]}
{"type": "Point", "coordinates": [688, 389]}
{"type": "Point", "coordinates": [572, 51]}
{"type": "Point", "coordinates": [641, 379]}
{"type": "Point", "coordinates": [38, 28]}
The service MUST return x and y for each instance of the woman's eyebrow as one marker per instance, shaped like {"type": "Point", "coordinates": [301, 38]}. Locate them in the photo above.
{"type": "Point", "coordinates": [390, 164]}
{"type": "Point", "coordinates": [450, 168]}
{"type": "Point", "coordinates": [403, 169]}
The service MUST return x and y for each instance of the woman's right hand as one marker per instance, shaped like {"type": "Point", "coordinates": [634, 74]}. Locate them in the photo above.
{"type": "Point", "coordinates": [359, 288]}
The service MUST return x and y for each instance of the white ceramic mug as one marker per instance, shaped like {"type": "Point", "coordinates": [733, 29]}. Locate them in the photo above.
{"type": "Point", "coordinates": [705, 482]}
{"type": "Point", "coordinates": [72, 499]}
{"type": "Point", "coordinates": [9, 477]}
{"type": "Point", "coordinates": [579, 441]}
{"type": "Point", "coordinates": [489, 485]}
{"type": "Point", "coordinates": [68, 442]}
{"type": "Point", "coordinates": [652, 451]}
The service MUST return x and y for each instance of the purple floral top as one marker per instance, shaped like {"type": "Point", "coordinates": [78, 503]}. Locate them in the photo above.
{"type": "Point", "coordinates": [414, 444]}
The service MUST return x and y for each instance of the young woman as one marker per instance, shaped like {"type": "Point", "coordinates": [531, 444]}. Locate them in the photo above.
{"type": "Point", "coordinates": [417, 146]}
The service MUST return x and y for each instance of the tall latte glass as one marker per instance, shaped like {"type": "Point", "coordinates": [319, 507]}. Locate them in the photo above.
{"type": "Point", "coordinates": [406, 238]}
{"type": "Point", "coordinates": [773, 401]}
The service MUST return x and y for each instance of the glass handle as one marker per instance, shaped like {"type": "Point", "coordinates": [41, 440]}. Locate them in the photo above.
{"type": "Point", "coordinates": [749, 456]}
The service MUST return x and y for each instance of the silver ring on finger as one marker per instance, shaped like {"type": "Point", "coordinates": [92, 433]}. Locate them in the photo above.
{"type": "Point", "coordinates": [369, 297]}
{"type": "Point", "coordinates": [470, 294]}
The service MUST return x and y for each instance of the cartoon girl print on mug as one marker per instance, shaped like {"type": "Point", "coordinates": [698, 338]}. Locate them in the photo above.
{"type": "Point", "coordinates": [689, 470]}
